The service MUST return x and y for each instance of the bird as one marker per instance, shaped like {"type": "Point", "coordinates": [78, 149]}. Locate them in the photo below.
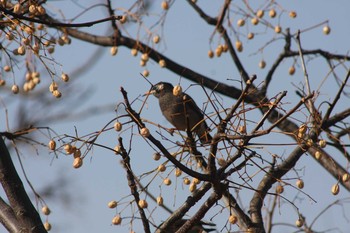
{"type": "Point", "coordinates": [181, 111]}
{"type": "Point", "coordinates": [200, 227]}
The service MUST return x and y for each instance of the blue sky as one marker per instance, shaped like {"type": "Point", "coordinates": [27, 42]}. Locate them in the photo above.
{"type": "Point", "coordinates": [186, 41]}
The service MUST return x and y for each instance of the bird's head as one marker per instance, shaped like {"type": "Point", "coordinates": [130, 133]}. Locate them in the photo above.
{"type": "Point", "coordinates": [160, 89]}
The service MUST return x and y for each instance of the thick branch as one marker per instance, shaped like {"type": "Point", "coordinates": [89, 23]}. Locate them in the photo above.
{"type": "Point", "coordinates": [22, 207]}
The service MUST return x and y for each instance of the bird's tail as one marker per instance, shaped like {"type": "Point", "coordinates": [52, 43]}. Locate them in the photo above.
{"type": "Point", "coordinates": [203, 133]}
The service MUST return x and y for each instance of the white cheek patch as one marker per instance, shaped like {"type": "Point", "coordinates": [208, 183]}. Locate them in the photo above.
{"type": "Point", "coordinates": [160, 87]}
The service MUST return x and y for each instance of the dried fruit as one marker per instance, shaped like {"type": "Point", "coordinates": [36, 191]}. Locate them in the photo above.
{"type": "Point", "coordinates": [335, 189]}
{"type": "Point", "coordinates": [65, 77]}
{"type": "Point", "coordinates": [143, 203]}
{"type": "Point", "coordinates": [47, 226]}
{"type": "Point", "coordinates": [291, 70]}
{"type": "Point", "coordinates": [318, 155]}
{"type": "Point", "coordinates": [160, 200]}
{"type": "Point", "coordinates": [187, 181]}
{"type": "Point", "coordinates": [299, 222]}
{"type": "Point", "coordinates": [272, 13]}
{"type": "Point", "coordinates": [117, 149]}
{"type": "Point", "coordinates": [250, 35]}
{"type": "Point", "coordinates": [162, 63]}
{"type": "Point", "coordinates": [178, 172]}
{"type": "Point", "coordinates": [144, 132]}
{"type": "Point", "coordinates": [15, 89]}
{"type": "Point", "coordinates": [156, 156]}
{"type": "Point", "coordinates": [114, 50]}
{"type": "Point", "coordinates": [77, 153]}
{"type": "Point", "coordinates": [262, 64]}
{"type": "Point", "coordinates": [278, 29]}
{"type": "Point", "coordinates": [233, 219]}
{"type": "Point", "coordinates": [145, 73]}
{"type": "Point", "coordinates": [300, 183]}
{"type": "Point", "coordinates": [78, 162]}
{"type": "Point", "coordinates": [293, 14]}
{"type": "Point", "coordinates": [326, 30]}
{"type": "Point", "coordinates": [210, 54]}
{"type": "Point", "coordinates": [57, 93]}
{"type": "Point", "coordinates": [239, 46]}
{"type": "Point", "coordinates": [134, 52]}
{"type": "Point", "coordinates": [195, 181]}
{"type": "Point", "coordinates": [7, 68]}
{"type": "Point", "coordinates": [52, 145]}
{"type": "Point", "coordinates": [156, 39]}
{"type": "Point", "coordinates": [345, 177]}
{"type": "Point", "coordinates": [279, 189]}
{"type": "Point", "coordinates": [193, 187]}
{"type": "Point", "coordinates": [260, 13]}
{"type": "Point", "coordinates": [167, 181]}
{"type": "Point", "coordinates": [46, 210]}
{"type": "Point", "coordinates": [241, 22]}
{"type": "Point", "coordinates": [123, 19]}
{"type": "Point", "coordinates": [112, 204]}
{"type": "Point", "coordinates": [322, 143]}
{"type": "Point", "coordinates": [255, 21]}
{"type": "Point", "coordinates": [144, 57]}
{"type": "Point", "coordinates": [161, 168]}
{"type": "Point", "coordinates": [177, 90]}
{"type": "Point", "coordinates": [117, 220]}
{"type": "Point", "coordinates": [118, 126]}
{"type": "Point", "coordinates": [165, 5]}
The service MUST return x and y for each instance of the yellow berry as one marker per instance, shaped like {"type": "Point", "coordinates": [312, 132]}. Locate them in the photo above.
{"type": "Point", "coordinates": [300, 183]}
{"type": "Point", "coordinates": [15, 89]}
{"type": "Point", "coordinates": [161, 168]}
{"type": "Point", "coordinates": [143, 203]}
{"type": "Point", "coordinates": [117, 220]}
{"type": "Point", "coordinates": [52, 145]}
{"type": "Point", "coordinates": [65, 77]}
{"type": "Point", "coordinates": [7, 68]}
{"type": "Point", "coordinates": [293, 14]}
{"type": "Point", "coordinates": [156, 39]}
{"type": "Point", "coordinates": [187, 181]}
{"type": "Point", "coordinates": [118, 126]}
{"type": "Point", "coordinates": [78, 162]}
{"type": "Point", "coordinates": [326, 30]}
{"type": "Point", "coordinates": [45, 210]}
{"type": "Point", "coordinates": [112, 204]}
{"type": "Point", "coordinates": [160, 200]}
{"type": "Point", "coordinates": [279, 189]}
{"type": "Point", "coordinates": [255, 21]}
{"type": "Point", "coordinates": [57, 93]}
{"type": "Point", "coordinates": [123, 19]}
{"type": "Point", "coordinates": [145, 73]}
{"type": "Point", "coordinates": [233, 219]}
{"type": "Point", "coordinates": [177, 90]}
{"type": "Point", "coordinates": [162, 63]}
{"type": "Point", "coordinates": [278, 29]}
{"type": "Point", "coordinates": [165, 5]}
{"type": "Point", "coordinates": [346, 177]}
{"type": "Point", "coordinates": [114, 50]}
{"type": "Point", "coordinates": [260, 13]}
{"type": "Point", "coordinates": [291, 70]}
{"type": "Point", "coordinates": [193, 187]}
{"type": "Point", "coordinates": [210, 54]}
{"type": "Point", "coordinates": [299, 222]}
{"type": "Point", "coordinates": [134, 52]}
{"type": "Point", "coordinates": [117, 149]}
{"type": "Point", "coordinates": [145, 132]}
{"type": "Point", "coordinates": [322, 143]}
{"type": "Point", "coordinates": [335, 189]}
{"type": "Point", "coordinates": [250, 35]}
{"type": "Point", "coordinates": [218, 51]}
{"type": "Point", "coordinates": [241, 22]}
{"type": "Point", "coordinates": [47, 226]}
{"type": "Point", "coordinates": [178, 172]}
{"type": "Point", "coordinates": [167, 181]}
{"type": "Point", "coordinates": [262, 64]}
{"type": "Point", "coordinates": [272, 13]}
{"type": "Point", "coordinates": [144, 57]}
{"type": "Point", "coordinates": [239, 46]}
{"type": "Point", "coordinates": [156, 156]}
{"type": "Point", "coordinates": [318, 155]}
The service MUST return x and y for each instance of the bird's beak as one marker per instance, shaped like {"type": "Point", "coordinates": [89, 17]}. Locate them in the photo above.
{"type": "Point", "coordinates": [151, 92]}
